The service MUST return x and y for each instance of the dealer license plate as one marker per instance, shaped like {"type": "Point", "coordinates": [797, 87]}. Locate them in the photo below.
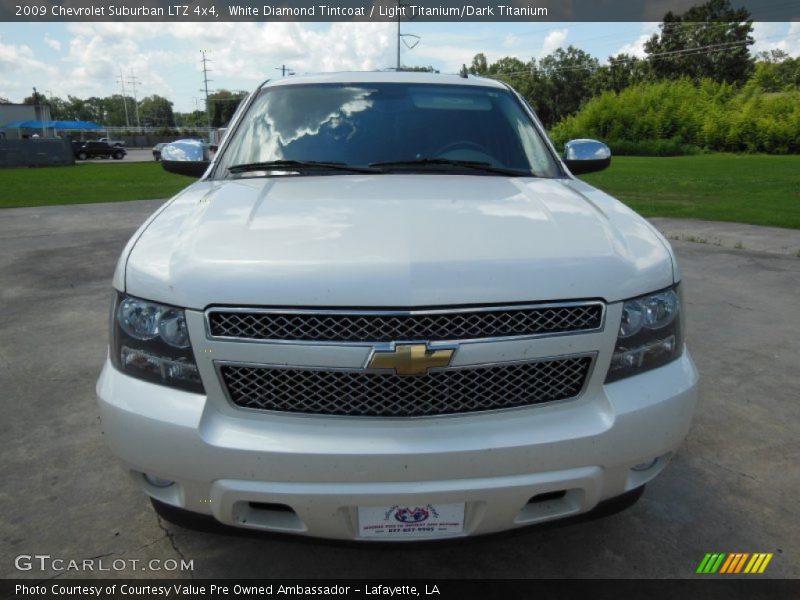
{"type": "Point", "coordinates": [410, 520]}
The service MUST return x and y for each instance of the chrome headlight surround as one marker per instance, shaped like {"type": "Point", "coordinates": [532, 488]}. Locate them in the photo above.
{"type": "Point", "coordinates": [150, 341]}
{"type": "Point", "coordinates": [650, 333]}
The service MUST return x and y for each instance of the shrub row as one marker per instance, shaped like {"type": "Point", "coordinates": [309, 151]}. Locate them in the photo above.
{"type": "Point", "coordinates": [680, 117]}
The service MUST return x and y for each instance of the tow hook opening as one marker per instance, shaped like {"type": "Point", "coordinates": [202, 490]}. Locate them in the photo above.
{"type": "Point", "coordinates": [268, 515]}
{"type": "Point", "coordinates": [550, 505]}
{"type": "Point", "coordinates": [547, 496]}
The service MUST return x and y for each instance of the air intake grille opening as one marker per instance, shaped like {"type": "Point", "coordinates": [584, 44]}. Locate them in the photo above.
{"type": "Point", "coordinates": [376, 326]}
{"type": "Point", "coordinates": [447, 391]}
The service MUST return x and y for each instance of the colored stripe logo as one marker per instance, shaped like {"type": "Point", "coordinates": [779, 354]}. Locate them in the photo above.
{"type": "Point", "coordinates": [735, 562]}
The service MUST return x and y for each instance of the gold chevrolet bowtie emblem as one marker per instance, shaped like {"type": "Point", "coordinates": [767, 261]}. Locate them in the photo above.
{"type": "Point", "coordinates": [410, 359]}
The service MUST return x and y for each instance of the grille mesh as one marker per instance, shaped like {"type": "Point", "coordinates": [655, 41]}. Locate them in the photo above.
{"type": "Point", "coordinates": [380, 327]}
{"type": "Point", "coordinates": [360, 393]}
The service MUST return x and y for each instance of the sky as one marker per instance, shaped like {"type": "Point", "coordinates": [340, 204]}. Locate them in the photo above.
{"type": "Point", "coordinates": [86, 59]}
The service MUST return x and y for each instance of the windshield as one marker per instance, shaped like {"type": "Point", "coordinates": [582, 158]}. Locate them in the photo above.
{"type": "Point", "coordinates": [392, 127]}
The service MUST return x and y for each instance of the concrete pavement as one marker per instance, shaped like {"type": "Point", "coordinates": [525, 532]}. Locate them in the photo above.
{"type": "Point", "coordinates": [732, 488]}
{"type": "Point", "coordinates": [739, 236]}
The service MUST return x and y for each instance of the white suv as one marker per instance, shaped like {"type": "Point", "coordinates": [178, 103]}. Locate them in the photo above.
{"type": "Point", "coordinates": [388, 310]}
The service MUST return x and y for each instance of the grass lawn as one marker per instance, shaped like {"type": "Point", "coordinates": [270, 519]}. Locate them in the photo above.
{"type": "Point", "coordinates": [758, 189]}
{"type": "Point", "coordinates": [87, 182]}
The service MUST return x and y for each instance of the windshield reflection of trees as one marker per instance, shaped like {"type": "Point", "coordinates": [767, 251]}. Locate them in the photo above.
{"type": "Point", "coordinates": [287, 118]}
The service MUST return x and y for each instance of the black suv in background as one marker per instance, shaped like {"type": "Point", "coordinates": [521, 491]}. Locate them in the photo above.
{"type": "Point", "coordinates": [93, 149]}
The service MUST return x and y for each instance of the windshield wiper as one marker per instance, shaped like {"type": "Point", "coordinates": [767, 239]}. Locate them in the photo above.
{"type": "Point", "coordinates": [296, 165]}
{"type": "Point", "coordinates": [466, 164]}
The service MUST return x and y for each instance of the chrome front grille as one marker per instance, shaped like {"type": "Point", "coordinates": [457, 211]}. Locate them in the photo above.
{"type": "Point", "coordinates": [380, 394]}
{"type": "Point", "coordinates": [392, 326]}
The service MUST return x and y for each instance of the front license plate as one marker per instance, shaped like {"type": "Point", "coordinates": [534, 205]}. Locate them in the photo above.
{"type": "Point", "coordinates": [410, 520]}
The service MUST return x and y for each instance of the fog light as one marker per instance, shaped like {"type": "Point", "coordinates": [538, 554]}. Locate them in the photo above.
{"type": "Point", "coordinates": [157, 481]}
{"type": "Point", "coordinates": [645, 465]}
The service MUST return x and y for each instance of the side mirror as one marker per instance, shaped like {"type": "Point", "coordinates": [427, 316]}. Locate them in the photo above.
{"type": "Point", "coordinates": [186, 157]}
{"type": "Point", "coordinates": [586, 156]}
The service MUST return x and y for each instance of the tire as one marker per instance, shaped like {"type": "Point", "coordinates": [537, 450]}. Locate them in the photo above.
{"type": "Point", "coordinates": [118, 155]}
{"type": "Point", "coordinates": [82, 156]}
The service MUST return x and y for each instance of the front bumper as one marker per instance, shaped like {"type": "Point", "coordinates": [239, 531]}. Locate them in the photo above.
{"type": "Point", "coordinates": [237, 466]}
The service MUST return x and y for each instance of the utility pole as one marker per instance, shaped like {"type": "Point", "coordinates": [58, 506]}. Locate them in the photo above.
{"type": "Point", "coordinates": [284, 70]}
{"type": "Point", "coordinates": [205, 85]}
{"type": "Point", "coordinates": [133, 81]}
{"type": "Point", "coordinates": [399, 35]}
{"type": "Point", "coordinates": [121, 82]}
{"type": "Point", "coordinates": [400, 8]}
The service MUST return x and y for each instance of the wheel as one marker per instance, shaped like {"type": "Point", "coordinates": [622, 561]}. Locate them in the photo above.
{"type": "Point", "coordinates": [118, 155]}
{"type": "Point", "coordinates": [82, 155]}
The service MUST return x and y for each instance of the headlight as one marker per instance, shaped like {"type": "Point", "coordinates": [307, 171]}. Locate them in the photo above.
{"type": "Point", "coordinates": [150, 341]}
{"type": "Point", "coordinates": [650, 334]}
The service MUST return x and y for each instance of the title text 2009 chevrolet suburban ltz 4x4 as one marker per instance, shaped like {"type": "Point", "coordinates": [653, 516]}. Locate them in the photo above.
{"type": "Point", "coordinates": [388, 310]}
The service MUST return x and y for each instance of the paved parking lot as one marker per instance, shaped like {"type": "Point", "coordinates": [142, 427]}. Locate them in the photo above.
{"type": "Point", "coordinates": [133, 155]}
{"type": "Point", "coordinates": [732, 488]}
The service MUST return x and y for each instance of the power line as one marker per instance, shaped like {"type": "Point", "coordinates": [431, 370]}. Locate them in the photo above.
{"type": "Point", "coordinates": [668, 55]}
{"type": "Point", "coordinates": [593, 65]}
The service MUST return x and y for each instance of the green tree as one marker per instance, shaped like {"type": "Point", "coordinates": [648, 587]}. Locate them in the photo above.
{"type": "Point", "coordinates": [417, 69]}
{"type": "Point", "coordinates": [565, 83]}
{"type": "Point", "coordinates": [57, 108]}
{"type": "Point", "coordinates": [222, 105]}
{"type": "Point", "coordinates": [479, 64]}
{"type": "Point", "coordinates": [115, 111]}
{"type": "Point", "coordinates": [709, 40]}
{"type": "Point", "coordinates": [622, 71]}
{"type": "Point", "coordinates": [195, 118]}
{"type": "Point", "coordinates": [509, 65]}
{"type": "Point", "coordinates": [35, 98]}
{"type": "Point", "coordinates": [79, 109]}
{"type": "Point", "coordinates": [775, 71]}
{"type": "Point", "coordinates": [95, 108]}
{"type": "Point", "coordinates": [156, 111]}
{"type": "Point", "coordinates": [558, 85]}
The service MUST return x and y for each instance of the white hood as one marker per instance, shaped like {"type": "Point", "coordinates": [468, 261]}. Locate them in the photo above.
{"type": "Point", "coordinates": [394, 241]}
